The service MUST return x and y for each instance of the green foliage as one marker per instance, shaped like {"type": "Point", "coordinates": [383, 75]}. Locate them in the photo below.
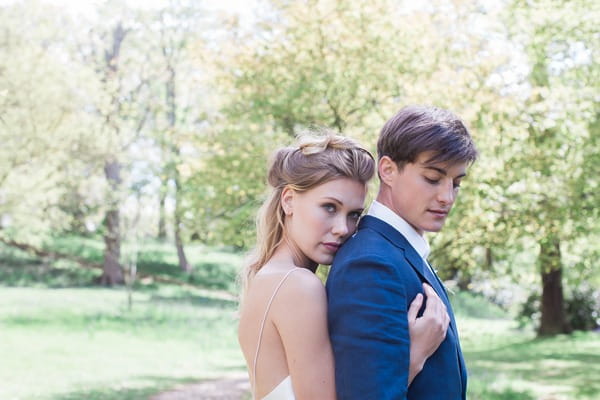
{"type": "Point", "coordinates": [583, 308]}
{"type": "Point", "coordinates": [20, 269]}
{"type": "Point", "coordinates": [523, 74]}
{"type": "Point", "coordinates": [476, 306]}
{"type": "Point", "coordinates": [211, 268]}
{"type": "Point", "coordinates": [345, 65]}
{"type": "Point", "coordinates": [222, 195]}
{"type": "Point", "coordinates": [324, 63]}
{"type": "Point", "coordinates": [46, 135]}
{"type": "Point", "coordinates": [582, 304]}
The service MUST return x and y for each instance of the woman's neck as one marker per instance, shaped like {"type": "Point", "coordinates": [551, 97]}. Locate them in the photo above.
{"type": "Point", "coordinates": [288, 254]}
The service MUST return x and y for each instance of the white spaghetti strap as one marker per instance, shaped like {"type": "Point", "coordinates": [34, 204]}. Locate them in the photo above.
{"type": "Point", "coordinates": [262, 326]}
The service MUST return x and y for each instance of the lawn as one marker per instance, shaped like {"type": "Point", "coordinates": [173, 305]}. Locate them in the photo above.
{"type": "Point", "coordinates": [506, 363]}
{"type": "Point", "coordinates": [78, 341]}
{"type": "Point", "coordinates": [85, 343]}
{"type": "Point", "coordinates": [62, 337]}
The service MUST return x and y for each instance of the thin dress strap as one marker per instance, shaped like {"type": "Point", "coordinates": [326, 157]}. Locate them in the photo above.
{"type": "Point", "coordinates": [262, 326]}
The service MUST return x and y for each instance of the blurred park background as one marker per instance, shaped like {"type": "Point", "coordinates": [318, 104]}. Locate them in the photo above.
{"type": "Point", "coordinates": [134, 138]}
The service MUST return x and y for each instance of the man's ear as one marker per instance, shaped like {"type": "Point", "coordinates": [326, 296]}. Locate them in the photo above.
{"type": "Point", "coordinates": [287, 200]}
{"type": "Point", "coordinates": [387, 170]}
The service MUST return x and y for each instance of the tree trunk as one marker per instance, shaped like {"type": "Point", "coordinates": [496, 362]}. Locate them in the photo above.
{"type": "Point", "coordinates": [554, 319]}
{"type": "Point", "coordinates": [162, 215]}
{"type": "Point", "coordinates": [112, 273]}
{"type": "Point", "coordinates": [170, 93]}
{"type": "Point", "coordinates": [183, 263]}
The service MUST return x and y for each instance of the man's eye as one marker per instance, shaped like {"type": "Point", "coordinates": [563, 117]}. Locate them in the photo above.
{"type": "Point", "coordinates": [432, 181]}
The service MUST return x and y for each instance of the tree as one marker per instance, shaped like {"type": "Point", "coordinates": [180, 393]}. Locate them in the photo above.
{"type": "Point", "coordinates": [45, 132]}
{"type": "Point", "coordinates": [522, 75]}
{"type": "Point", "coordinates": [533, 189]}
{"type": "Point", "coordinates": [562, 101]}
{"type": "Point", "coordinates": [117, 54]}
{"type": "Point", "coordinates": [176, 29]}
{"type": "Point", "coordinates": [345, 65]}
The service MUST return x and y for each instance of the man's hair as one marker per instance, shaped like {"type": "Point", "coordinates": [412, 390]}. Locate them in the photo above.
{"type": "Point", "coordinates": [417, 129]}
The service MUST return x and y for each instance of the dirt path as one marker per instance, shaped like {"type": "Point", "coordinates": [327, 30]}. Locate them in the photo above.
{"type": "Point", "coordinates": [235, 387]}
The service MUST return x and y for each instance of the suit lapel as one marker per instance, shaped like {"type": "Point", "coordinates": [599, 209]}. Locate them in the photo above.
{"type": "Point", "coordinates": [427, 274]}
{"type": "Point", "coordinates": [413, 258]}
{"type": "Point", "coordinates": [398, 240]}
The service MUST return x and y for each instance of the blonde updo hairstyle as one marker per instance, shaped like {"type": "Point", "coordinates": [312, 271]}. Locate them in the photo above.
{"type": "Point", "coordinates": [314, 161]}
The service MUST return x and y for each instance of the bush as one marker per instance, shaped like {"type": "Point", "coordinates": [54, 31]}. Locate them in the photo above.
{"type": "Point", "coordinates": [583, 308]}
{"type": "Point", "coordinates": [582, 305]}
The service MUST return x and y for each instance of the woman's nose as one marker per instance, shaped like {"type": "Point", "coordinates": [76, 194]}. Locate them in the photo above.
{"type": "Point", "coordinates": [340, 227]}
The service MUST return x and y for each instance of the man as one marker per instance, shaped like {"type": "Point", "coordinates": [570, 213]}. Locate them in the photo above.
{"type": "Point", "coordinates": [423, 155]}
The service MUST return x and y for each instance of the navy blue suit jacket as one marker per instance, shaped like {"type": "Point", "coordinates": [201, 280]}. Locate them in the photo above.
{"type": "Point", "coordinates": [375, 276]}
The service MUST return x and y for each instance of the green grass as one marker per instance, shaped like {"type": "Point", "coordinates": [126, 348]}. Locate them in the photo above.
{"type": "Point", "coordinates": [211, 268]}
{"type": "Point", "coordinates": [505, 362]}
{"type": "Point", "coordinates": [62, 338]}
{"type": "Point", "coordinates": [85, 343]}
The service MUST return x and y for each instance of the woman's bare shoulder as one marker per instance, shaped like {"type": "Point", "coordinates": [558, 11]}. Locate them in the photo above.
{"type": "Point", "coordinates": [298, 278]}
{"type": "Point", "coordinates": [302, 279]}
{"type": "Point", "coordinates": [302, 289]}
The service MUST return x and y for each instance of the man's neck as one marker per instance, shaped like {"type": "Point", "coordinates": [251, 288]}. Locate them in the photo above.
{"type": "Point", "coordinates": [385, 213]}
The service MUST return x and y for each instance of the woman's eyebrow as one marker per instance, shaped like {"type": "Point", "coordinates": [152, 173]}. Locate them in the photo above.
{"type": "Point", "coordinates": [333, 199]}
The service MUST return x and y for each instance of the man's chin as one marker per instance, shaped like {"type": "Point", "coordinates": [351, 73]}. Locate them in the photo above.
{"type": "Point", "coordinates": [434, 228]}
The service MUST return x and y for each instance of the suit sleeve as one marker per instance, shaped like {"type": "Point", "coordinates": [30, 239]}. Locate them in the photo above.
{"type": "Point", "coordinates": [368, 326]}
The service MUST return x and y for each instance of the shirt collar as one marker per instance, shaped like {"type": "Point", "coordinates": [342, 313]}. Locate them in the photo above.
{"type": "Point", "coordinates": [418, 242]}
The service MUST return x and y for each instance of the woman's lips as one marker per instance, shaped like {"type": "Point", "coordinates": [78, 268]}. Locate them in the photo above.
{"type": "Point", "coordinates": [331, 246]}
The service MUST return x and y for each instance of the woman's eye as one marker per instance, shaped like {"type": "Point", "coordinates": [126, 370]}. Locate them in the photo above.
{"type": "Point", "coordinates": [354, 215]}
{"type": "Point", "coordinates": [456, 185]}
{"type": "Point", "coordinates": [330, 208]}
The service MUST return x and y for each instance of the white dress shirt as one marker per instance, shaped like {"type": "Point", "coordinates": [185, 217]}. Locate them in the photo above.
{"type": "Point", "coordinates": [418, 242]}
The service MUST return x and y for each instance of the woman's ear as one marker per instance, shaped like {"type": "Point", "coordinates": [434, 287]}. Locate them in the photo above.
{"type": "Point", "coordinates": [287, 200]}
{"type": "Point", "coordinates": [387, 169]}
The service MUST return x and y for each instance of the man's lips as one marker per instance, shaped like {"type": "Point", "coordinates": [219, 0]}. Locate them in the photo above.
{"type": "Point", "coordinates": [333, 246]}
{"type": "Point", "coordinates": [439, 213]}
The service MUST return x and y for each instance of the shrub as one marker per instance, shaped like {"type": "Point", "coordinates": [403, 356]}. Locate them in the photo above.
{"type": "Point", "coordinates": [582, 305]}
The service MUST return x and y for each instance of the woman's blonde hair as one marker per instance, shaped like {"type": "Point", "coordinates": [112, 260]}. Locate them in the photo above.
{"type": "Point", "coordinates": [313, 161]}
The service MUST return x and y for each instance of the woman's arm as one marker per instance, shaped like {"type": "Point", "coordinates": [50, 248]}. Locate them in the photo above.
{"type": "Point", "coordinates": [426, 332]}
{"type": "Point", "coordinates": [301, 320]}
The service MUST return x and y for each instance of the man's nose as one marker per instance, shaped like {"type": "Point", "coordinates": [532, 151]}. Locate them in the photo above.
{"type": "Point", "coordinates": [447, 193]}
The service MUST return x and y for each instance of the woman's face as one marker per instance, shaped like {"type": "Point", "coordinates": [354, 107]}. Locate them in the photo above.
{"type": "Point", "coordinates": [319, 220]}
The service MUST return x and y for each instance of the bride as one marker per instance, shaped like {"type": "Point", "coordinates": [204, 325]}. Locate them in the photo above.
{"type": "Point", "coordinates": [317, 197]}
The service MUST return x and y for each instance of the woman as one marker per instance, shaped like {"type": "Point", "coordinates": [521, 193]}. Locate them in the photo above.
{"type": "Point", "coordinates": [317, 197]}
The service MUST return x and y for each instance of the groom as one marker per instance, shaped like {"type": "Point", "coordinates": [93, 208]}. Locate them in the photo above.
{"type": "Point", "coordinates": [423, 155]}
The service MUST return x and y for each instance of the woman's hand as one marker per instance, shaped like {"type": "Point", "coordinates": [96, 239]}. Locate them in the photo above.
{"type": "Point", "coordinates": [426, 332]}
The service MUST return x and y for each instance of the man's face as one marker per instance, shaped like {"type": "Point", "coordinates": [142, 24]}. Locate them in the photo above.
{"type": "Point", "coordinates": [423, 194]}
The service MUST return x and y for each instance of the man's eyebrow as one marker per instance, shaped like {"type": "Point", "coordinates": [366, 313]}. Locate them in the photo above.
{"type": "Point", "coordinates": [437, 169]}
{"type": "Point", "coordinates": [443, 171]}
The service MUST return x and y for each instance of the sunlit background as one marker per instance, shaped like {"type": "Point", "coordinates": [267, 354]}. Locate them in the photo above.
{"type": "Point", "coordinates": [134, 141]}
